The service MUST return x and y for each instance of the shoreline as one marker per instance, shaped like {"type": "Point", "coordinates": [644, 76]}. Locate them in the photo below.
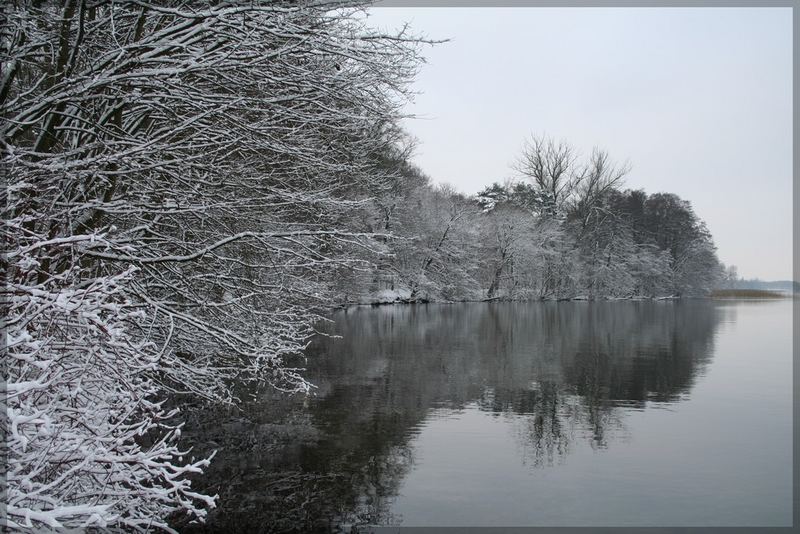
{"type": "Point", "coordinates": [571, 299]}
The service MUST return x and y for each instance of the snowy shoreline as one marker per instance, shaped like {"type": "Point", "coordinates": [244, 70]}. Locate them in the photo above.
{"type": "Point", "coordinates": [374, 302]}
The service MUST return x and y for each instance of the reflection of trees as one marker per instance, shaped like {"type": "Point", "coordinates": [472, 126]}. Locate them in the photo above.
{"type": "Point", "coordinates": [278, 472]}
{"type": "Point", "coordinates": [556, 370]}
{"type": "Point", "coordinates": [587, 360]}
{"type": "Point", "coordinates": [544, 428]}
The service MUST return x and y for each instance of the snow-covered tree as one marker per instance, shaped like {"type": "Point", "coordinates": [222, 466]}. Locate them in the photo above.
{"type": "Point", "coordinates": [436, 255]}
{"type": "Point", "coordinates": [565, 230]}
{"type": "Point", "coordinates": [182, 178]}
{"type": "Point", "coordinates": [552, 169]}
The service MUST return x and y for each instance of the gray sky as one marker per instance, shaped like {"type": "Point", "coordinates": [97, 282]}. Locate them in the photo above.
{"type": "Point", "coordinates": [698, 100]}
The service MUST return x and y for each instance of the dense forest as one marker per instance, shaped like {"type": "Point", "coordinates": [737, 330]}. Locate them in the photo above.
{"type": "Point", "coordinates": [192, 185]}
{"type": "Point", "coordinates": [561, 228]}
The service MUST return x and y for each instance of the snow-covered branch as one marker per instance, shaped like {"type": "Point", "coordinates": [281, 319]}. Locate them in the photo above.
{"type": "Point", "coordinates": [185, 182]}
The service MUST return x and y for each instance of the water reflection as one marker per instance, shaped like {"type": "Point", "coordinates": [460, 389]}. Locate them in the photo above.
{"type": "Point", "coordinates": [560, 372]}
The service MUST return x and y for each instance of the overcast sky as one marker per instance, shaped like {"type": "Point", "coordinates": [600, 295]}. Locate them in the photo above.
{"type": "Point", "coordinates": [698, 100]}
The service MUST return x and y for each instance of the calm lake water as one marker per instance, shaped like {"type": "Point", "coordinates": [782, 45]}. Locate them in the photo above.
{"type": "Point", "coordinates": [671, 413]}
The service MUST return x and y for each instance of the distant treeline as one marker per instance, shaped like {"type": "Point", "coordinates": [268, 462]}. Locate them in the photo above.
{"type": "Point", "coordinates": [784, 286]}
{"type": "Point", "coordinates": [562, 228]}
{"type": "Point", "coordinates": [748, 294]}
